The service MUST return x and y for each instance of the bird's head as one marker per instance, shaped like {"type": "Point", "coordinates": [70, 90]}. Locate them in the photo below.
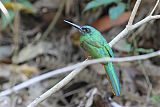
{"type": "Point", "coordinates": [84, 30]}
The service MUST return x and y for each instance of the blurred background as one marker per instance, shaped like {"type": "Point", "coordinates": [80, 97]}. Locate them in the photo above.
{"type": "Point", "coordinates": [34, 40]}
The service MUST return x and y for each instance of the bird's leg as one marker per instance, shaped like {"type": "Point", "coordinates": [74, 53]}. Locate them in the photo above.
{"type": "Point", "coordinates": [87, 55]}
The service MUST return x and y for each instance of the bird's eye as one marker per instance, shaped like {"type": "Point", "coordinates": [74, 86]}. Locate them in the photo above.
{"type": "Point", "coordinates": [87, 30]}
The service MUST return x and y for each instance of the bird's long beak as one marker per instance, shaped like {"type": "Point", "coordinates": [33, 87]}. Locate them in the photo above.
{"type": "Point", "coordinates": [74, 25]}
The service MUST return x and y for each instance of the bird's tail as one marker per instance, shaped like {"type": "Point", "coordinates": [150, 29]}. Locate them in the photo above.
{"type": "Point", "coordinates": [113, 78]}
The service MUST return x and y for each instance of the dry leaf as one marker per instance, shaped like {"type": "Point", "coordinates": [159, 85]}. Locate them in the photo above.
{"type": "Point", "coordinates": [123, 46]}
{"type": "Point", "coordinates": [98, 68]}
{"type": "Point", "coordinates": [27, 70]}
{"type": "Point", "coordinates": [31, 51]}
{"type": "Point", "coordinates": [5, 51]}
{"type": "Point", "coordinates": [105, 23]}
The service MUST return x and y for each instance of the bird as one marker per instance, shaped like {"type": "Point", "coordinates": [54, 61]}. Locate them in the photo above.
{"type": "Point", "coordinates": [92, 42]}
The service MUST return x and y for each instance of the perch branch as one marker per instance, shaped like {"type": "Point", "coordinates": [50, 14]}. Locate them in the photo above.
{"type": "Point", "coordinates": [57, 87]}
{"type": "Point", "coordinates": [78, 67]}
{"type": "Point", "coordinates": [72, 67]}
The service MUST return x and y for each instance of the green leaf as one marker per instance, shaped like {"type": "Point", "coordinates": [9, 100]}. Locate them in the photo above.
{"type": "Point", "coordinates": [155, 99]}
{"type": "Point", "coordinates": [26, 4]}
{"type": "Point", "coordinates": [97, 3]}
{"type": "Point", "coordinates": [144, 50]}
{"type": "Point", "coordinates": [5, 21]}
{"type": "Point", "coordinates": [114, 12]}
{"type": "Point", "coordinates": [123, 46]}
{"type": "Point", "coordinates": [5, 1]}
{"type": "Point", "coordinates": [19, 5]}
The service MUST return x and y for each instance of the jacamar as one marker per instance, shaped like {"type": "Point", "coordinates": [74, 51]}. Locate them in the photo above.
{"type": "Point", "coordinates": [92, 41]}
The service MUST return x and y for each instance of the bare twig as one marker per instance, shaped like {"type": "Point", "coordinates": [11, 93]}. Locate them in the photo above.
{"type": "Point", "coordinates": [16, 32]}
{"type": "Point", "coordinates": [34, 80]}
{"type": "Point", "coordinates": [154, 7]}
{"type": "Point", "coordinates": [132, 27]}
{"type": "Point", "coordinates": [145, 20]}
{"type": "Point", "coordinates": [133, 14]}
{"type": "Point", "coordinates": [54, 20]}
{"type": "Point", "coordinates": [148, 83]}
{"type": "Point", "coordinates": [4, 10]}
{"type": "Point", "coordinates": [57, 87]}
{"type": "Point", "coordinates": [81, 66]}
{"type": "Point", "coordinates": [72, 67]}
{"type": "Point", "coordinates": [124, 59]}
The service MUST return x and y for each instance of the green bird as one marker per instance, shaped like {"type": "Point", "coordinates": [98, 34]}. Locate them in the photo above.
{"type": "Point", "coordinates": [92, 41]}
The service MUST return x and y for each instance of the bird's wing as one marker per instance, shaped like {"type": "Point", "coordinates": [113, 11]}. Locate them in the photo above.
{"type": "Point", "coordinates": [108, 48]}
{"type": "Point", "coordinates": [94, 43]}
{"type": "Point", "coordinates": [102, 44]}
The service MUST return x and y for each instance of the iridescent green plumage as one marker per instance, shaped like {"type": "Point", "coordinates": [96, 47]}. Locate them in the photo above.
{"type": "Point", "coordinates": [95, 44]}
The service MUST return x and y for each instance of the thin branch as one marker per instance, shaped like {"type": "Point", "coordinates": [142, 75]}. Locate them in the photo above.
{"type": "Point", "coordinates": [145, 20]}
{"type": "Point", "coordinates": [81, 66]}
{"type": "Point", "coordinates": [57, 87]}
{"type": "Point", "coordinates": [123, 59]}
{"type": "Point", "coordinates": [4, 10]}
{"type": "Point", "coordinates": [35, 80]}
{"type": "Point", "coordinates": [72, 67]}
{"type": "Point", "coordinates": [54, 20]}
{"type": "Point", "coordinates": [132, 27]}
{"type": "Point", "coordinates": [133, 14]}
{"type": "Point", "coordinates": [154, 7]}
